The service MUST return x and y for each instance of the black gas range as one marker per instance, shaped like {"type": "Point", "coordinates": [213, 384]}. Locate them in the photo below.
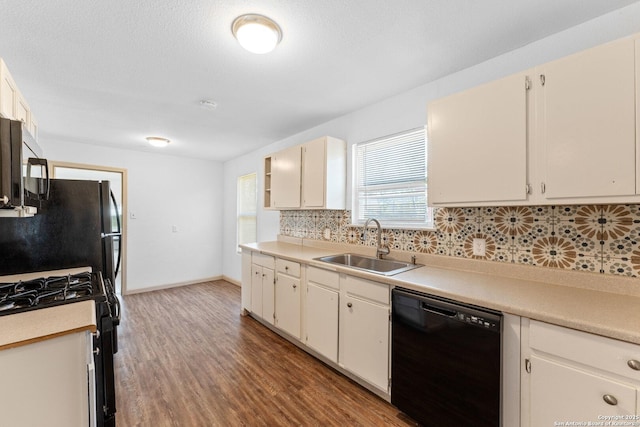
{"type": "Point", "coordinates": [24, 295]}
{"type": "Point", "coordinates": [25, 292]}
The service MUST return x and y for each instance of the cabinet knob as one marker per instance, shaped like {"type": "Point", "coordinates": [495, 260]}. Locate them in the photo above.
{"type": "Point", "coordinates": [97, 351]}
{"type": "Point", "coordinates": [634, 364]}
{"type": "Point", "coordinates": [349, 305]}
{"type": "Point", "coordinates": [295, 286]}
{"type": "Point", "coordinates": [286, 267]}
{"type": "Point", "coordinates": [610, 399]}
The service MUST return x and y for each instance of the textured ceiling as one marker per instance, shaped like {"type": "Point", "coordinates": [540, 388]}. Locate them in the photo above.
{"type": "Point", "coordinates": [112, 72]}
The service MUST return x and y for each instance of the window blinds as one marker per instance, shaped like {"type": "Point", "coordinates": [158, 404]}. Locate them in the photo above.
{"type": "Point", "coordinates": [391, 180]}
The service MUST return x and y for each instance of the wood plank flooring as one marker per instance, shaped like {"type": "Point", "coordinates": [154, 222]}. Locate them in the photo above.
{"type": "Point", "coordinates": [187, 358]}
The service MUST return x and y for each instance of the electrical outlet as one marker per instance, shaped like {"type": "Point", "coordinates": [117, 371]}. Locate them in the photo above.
{"type": "Point", "coordinates": [327, 234]}
{"type": "Point", "coordinates": [479, 247]}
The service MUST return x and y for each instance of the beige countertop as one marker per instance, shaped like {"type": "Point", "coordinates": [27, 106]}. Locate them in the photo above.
{"type": "Point", "coordinates": [38, 325]}
{"type": "Point", "coordinates": [601, 304]}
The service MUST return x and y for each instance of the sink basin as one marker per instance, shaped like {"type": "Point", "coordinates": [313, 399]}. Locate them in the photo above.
{"type": "Point", "coordinates": [372, 265]}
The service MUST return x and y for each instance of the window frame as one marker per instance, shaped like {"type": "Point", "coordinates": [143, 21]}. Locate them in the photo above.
{"type": "Point", "coordinates": [428, 224]}
{"type": "Point", "coordinates": [240, 214]}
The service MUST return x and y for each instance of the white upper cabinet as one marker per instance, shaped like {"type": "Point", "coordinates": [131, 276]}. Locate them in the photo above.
{"type": "Point", "coordinates": [285, 178]}
{"type": "Point", "coordinates": [308, 176]}
{"type": "Point", "coordinates": [587, 123]}
{"type": "Point", "coordinates": [324, 175]}
{"type": "Point", "coordinates": [12, 103]}
{"type": "Point", "coordinates": [8, 93]}
{"type": "Point", "coordinates": [570, 138]}
{"type": "Point", "coordinates": [478, 144]}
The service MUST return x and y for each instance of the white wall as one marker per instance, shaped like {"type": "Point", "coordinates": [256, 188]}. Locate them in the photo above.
{"type": "Point", "coordinates": [408, 110]}
{"type": "Point", "coordinates": [163, 191]}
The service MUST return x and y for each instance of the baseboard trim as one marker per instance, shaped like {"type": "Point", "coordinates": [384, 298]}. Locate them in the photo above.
{"type": "Point", "coordinates": [174, 285]}
{"type": "Point", "coordinates": [232, 281]}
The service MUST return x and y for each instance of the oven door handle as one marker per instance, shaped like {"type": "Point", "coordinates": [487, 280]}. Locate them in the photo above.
{"type": "Point", "coordinates": [118, 309]}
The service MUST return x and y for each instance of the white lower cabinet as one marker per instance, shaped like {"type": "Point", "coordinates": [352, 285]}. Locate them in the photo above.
{"type": "Point", "coordinates": [573, 376]}
{"type": "Point", "coordinates": [263, 286]}
{"type": "Point", "coordinates": [364, 330]}
{"type": "Point", "coordinates": [322, 306]}
{"type": "Point", "coordinates": [560, 393]}
{"type": "Point", "coordinates": [50, 394]}
{"type": "Point", "coordinates": [288, 304]}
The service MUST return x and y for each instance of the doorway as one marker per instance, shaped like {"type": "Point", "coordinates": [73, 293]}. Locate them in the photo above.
{"type": "Point", "coordinates": [118, 183]}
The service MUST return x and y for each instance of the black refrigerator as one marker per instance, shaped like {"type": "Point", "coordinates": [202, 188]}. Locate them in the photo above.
{"type": "Point", "coordinates": [77, 226]}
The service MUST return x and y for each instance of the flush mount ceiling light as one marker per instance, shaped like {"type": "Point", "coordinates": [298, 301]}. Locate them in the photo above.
{"type": "Point", "coordinates": [256, 33]}
{"type": "Point", "coordinates": [157, 141]}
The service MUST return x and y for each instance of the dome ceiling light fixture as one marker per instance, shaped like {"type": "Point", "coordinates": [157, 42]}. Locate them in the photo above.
{"type": "Point", "coordinates": [157, 141]}
{"type": "Point", "coordinates": [256, 33]}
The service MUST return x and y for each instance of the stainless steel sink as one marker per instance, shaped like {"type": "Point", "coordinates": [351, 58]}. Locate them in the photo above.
{"type": "Point", "coordinates": [385, 267]}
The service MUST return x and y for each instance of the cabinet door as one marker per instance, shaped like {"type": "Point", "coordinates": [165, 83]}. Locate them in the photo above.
{"type": "Point", "coordinates": [256, 290]}
{"type": "Point", "coordinates": [285, 178]}
{"type": "Point", "coordinates": [322, 321]}
{"type": "Point", "coordinates": [45, 383]}
{"type": "Point", "coordinates": [365, 340]}
{"type": "Point", "coordinates": [8, 93]}
{"type": "Point", "coordinates": [477, 144]}
{"type": "Point", "coordinates": [587, 119]}
{"type": "Point", "coordinates": [313, 179]}
{"type": "Point", "coordinates": [288, 304]}
{"type": "Point", "coordinates": [560, 393]}
{"type": "Point", "coordinates": [22, 110]}
{"type": "Point", "coordinates": [268, 295]}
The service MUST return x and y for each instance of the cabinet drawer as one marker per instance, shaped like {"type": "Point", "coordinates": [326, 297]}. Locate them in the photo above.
{"type": "Point", "coordinates": [374, 291]}
{"type": "Point", "coordinates": [263, 260]}
{"type": "Point", "coordinates": [288, 267]}
{"type": "Point", "coordinates": [327, 278]}
{"type": "Point", "coordinates": [592, 350]}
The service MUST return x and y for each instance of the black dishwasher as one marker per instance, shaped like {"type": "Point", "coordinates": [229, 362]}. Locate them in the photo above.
{"type": "Point", "coordinates": [445, 361]}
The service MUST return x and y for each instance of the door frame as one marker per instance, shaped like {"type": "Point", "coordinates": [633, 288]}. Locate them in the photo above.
{"type": "Point", "coordinates": [123, 264]}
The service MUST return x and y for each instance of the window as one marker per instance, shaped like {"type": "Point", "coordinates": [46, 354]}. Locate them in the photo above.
{"type": "Point", "coordinates": [247, 209]}
{"type": "Point", "coordinates": [390, 181]}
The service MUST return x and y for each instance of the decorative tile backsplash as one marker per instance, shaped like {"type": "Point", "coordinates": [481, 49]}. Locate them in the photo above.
{"type": "Point", "coordinates": [602, 239]}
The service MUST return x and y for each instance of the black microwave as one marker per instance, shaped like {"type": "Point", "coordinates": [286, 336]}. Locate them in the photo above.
{"type": "Point", "coordinates": [22, 184]}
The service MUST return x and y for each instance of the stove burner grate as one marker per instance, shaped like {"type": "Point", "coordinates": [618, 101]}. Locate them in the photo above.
{"type": "Point", "coordinates": [44, 292]}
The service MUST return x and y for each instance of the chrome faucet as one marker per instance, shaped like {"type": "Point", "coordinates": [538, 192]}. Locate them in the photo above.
{"type": "Point", "coordinates": [380, 250]}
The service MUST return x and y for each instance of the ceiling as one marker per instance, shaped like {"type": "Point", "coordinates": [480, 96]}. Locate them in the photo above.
{"type": "Point", "coordinates": [113, 72]}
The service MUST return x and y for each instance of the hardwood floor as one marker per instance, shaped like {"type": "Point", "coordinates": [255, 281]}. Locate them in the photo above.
{"type": "Point", "coordinates": [187, 358]}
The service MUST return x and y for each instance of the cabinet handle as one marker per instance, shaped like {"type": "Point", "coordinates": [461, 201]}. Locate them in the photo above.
{"type": "Point", "coordinates": [349, 305]}
{"type": "Point", "coordinates": [610, 399]}
{"type": "Point", "coordinates": [543, 187]}
{"type": "Point", "coordinates": [543, 79]}
{"type": "Point", "coordinates": [634, 364]}
{"type": "Point", "coordinates": [97, 351]}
